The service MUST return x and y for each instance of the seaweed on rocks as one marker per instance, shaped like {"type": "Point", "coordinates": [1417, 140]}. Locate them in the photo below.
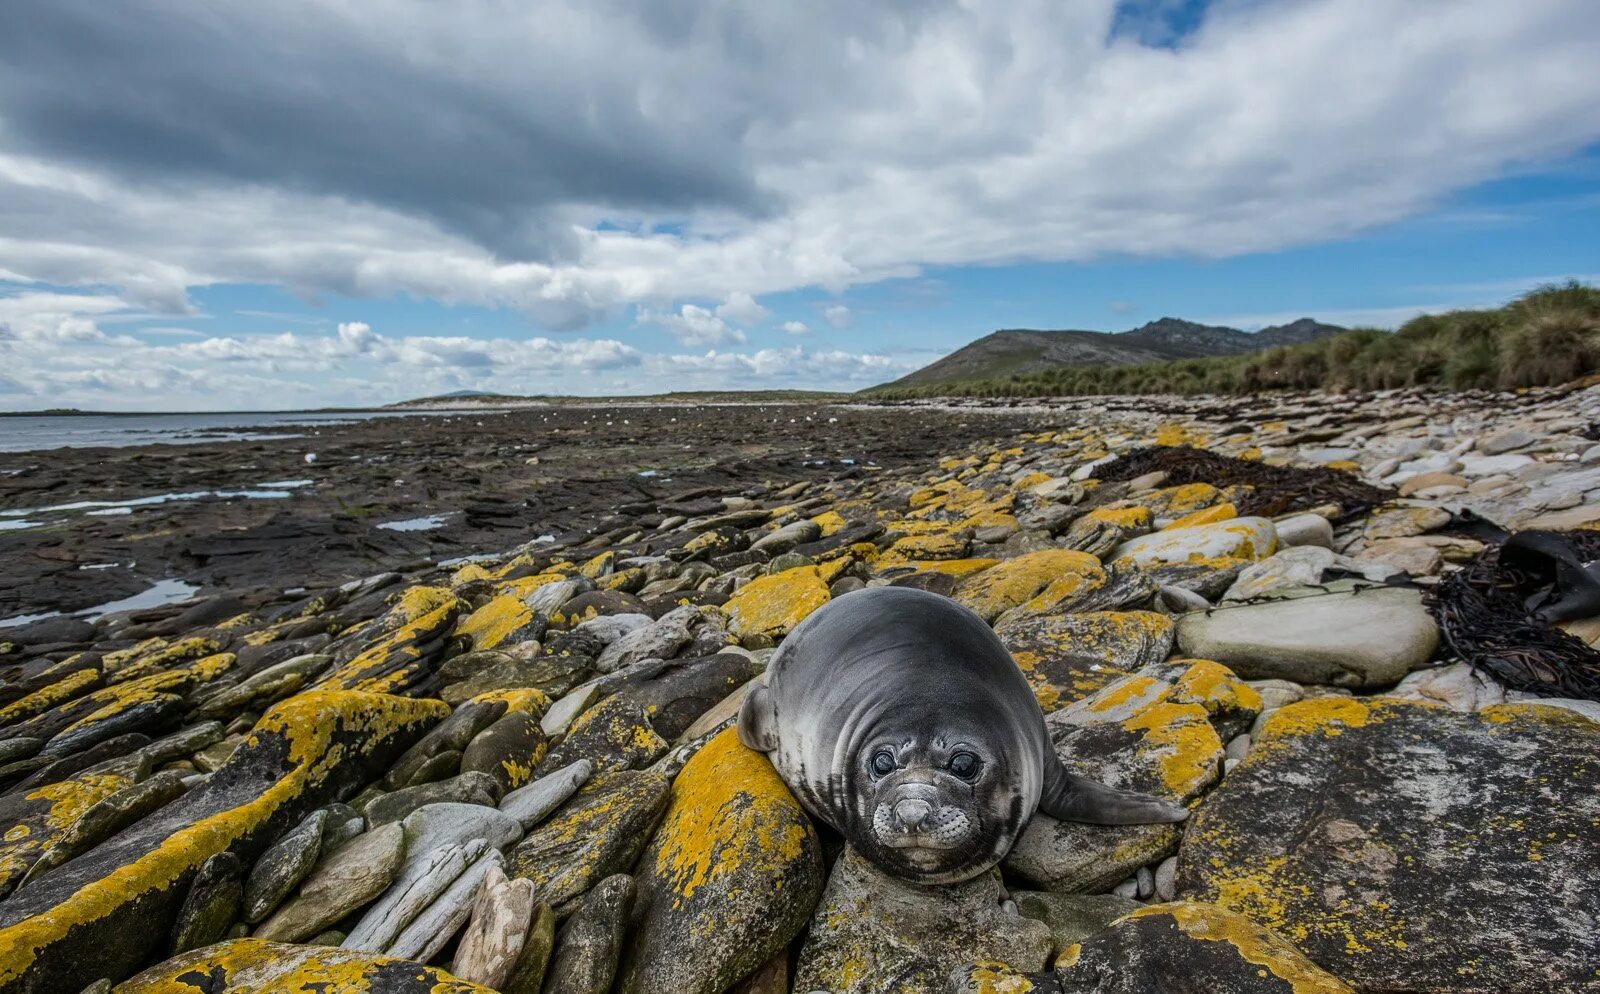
{"type": "Point", "coordinates": [1489, 615]}
{"type": "Point", "coordinates": [1274, 490]}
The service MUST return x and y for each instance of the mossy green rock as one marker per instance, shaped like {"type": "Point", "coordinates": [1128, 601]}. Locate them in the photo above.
{"type": "Point", "coordinates": [101, 914]}
{"type": "Point", "coordinates": [729, 878]}
{"type": "Point", "coordinates": [589, 944]}
{"type": "Point", "coordinates": [342, 882]}
{"type": "Point", "coordinates": [1409, 847]}
{"type": "Point", "coordinates": [212, 905]}
{"type": "Point", "coordinates": [874, 934]}
{"type": "Point", "coordinates": [1072, 917]}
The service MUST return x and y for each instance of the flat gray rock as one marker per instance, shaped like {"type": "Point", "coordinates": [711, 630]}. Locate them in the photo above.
{"type": "Point", "coordinates": [345, 880]}
{"type": "Point", "coordinates": [533, 803]}
{"type": "Point", "coordinates": [1364, 638]}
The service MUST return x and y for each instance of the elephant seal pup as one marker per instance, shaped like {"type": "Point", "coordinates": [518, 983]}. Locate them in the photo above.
{"type": "Point", "coordinates": [896, 716]}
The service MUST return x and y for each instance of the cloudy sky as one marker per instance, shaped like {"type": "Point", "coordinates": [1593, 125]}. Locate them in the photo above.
{"type": "Point", "coordinates": [229, 204]}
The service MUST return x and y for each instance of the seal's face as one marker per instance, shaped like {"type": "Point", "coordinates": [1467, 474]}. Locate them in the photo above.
{"type": "Point", "coordinates": [935, 809]}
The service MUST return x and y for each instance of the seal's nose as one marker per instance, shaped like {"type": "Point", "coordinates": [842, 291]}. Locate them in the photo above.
{"type": "Point", "coordinates": [912, 812]}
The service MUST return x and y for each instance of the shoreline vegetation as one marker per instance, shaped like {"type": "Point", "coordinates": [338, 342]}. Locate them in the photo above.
{"type": "Point", "coordinates": [1546, 337]}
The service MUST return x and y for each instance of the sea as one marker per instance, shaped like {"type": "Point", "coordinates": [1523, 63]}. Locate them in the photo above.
{"type": "Point", "coordinates": [32, 432]}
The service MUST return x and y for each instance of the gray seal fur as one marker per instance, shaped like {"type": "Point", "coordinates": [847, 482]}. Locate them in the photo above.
{"type": "Point", "coordinates": [897, 717]}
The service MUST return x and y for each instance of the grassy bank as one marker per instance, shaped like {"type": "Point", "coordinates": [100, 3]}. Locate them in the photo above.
{"type": "Point", "coordinates": [1548, 336]}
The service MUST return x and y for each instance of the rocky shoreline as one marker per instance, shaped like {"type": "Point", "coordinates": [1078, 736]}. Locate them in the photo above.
{"type": "Point", "coordinates": [455, 484]}
{"type": "Point", "coordinates": [518, 773]}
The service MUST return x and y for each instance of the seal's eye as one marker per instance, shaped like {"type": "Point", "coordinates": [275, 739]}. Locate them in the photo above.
{"type": "Point", "coordinates": [883, 763]}
{"type": "Point", "coordinates": [965, 765]}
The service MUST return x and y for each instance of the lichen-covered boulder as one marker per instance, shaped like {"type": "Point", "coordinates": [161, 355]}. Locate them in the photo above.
{"type": "Point", "coordinates": [874, 934]}
{"type": "Point", "coordinates": [248, 966]}
{"type": "Point", "coordinates": [1130, 735]}
{"type": "Point", "coordinates": [1001, 978]}
{"type": "Point", "coordinates": [1066, 657]}
{"type": "Point", "coordinates": [35, 820]}
{"type": "Point", "coordinates": [107, 817]}
{"type": "Point", "coordinates": [522, 665]}
{"type": "Point", "coordinates": [1409, 847]}
{"type": "Point", "coordinates": [773, 605]}
{"type": "Point", "coordinates": [402, 646]}
{"type": "Point", "coordinates": [503, 620]}
{"type": "Point", "coordinates": [1181, 947]}
{"type": "Point", "coordinates": [600, 831]}
{"type": "Point", "coordinates": [729, 878]}
{"type": "Point", "coordinates": [1346, 638]}
{"type": "Point", "coordinates": [1237, 538]}
{"type": "Point", "coordinates": [51, 695]}
{"type": "Point", "coordinates": [508, 750]}
{"type": "Point", "coordinates": [613, 735]}
{"type": "Point", "coordinates": [1051, 575]}
{"type": "Point", "coordinates": [102, 913]}
{"type": "Point", "coordinates": [100, 714]}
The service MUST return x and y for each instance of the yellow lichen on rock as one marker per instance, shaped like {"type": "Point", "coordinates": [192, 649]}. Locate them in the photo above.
{"type": "Point", "coordinates": [1328, 716]}
{"type": "Point", "coordinates": [1254, 944]}
{"type": "Point", "coordinates": [1133, 517]}
{"type": "Point", "coordinates": [1175, 434]}
{"type": "Point", "coordinates": [1183, 743]}
{"type": "Point", "coordinates": [773, 605]}
{"type": "Point", "coordinates": [912, 548]}
{"type": "Point", "coordinates": [492, 623]}
{"type": "Point", "coordinates": [45, 698]}
{"type": "Point", "coordinates": [319, 732]}
{"type": "Point", "coordinates": [518, 699]}
{"type": "Point", "coordinates": [1214, 687]}
{"type": "Point", "coordinates": [522, 586]}
{"type": "Point", "coordinates": [1206, 516]}
{"type": "Point", "coordinates": [243, 965]}
{"type": "Point", "coordinates": [831, 523]}
{"type": "Point", "coordinates": [730, 815]}
{"type": "Point", "coordinates": [958, 568]}
{"type": "Point", "coordinates": [42, 816]}
{"type": "Point", "coordinates": [599, 566]}
{"type": "Point", "coordinates": [992, 978]}
{"type": "Point", "coordinates": [166, 658]}
{"type": "Point", "coordinates": [1018, 580]}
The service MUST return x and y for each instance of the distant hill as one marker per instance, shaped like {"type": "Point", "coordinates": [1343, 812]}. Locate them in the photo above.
{"type": "Point", "coordinates": [1548, 337]}
{"type": "Point", "coordinates": [469, 400]}
{"type": "Point", "coordinates": [1022, 351]}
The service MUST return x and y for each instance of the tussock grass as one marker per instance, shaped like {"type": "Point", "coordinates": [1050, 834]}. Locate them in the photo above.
{"type": "Point", "coordinates": [1546, 337]}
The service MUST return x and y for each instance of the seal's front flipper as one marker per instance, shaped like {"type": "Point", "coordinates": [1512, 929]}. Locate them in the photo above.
{"type": "Point", "coordinates": [1073, 798]}
{"type": "Point", "coordinates": [758, 720]}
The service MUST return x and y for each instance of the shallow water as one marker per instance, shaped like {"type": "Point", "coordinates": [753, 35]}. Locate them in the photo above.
{"type": "Point", "coordinates": [163, 592]}
{"type": "Point", "coordinates": [423, 524]}
{"type": "Point", "coordinates": [107, 508]}
{"type": "Point", "coordinates": [28, 433]}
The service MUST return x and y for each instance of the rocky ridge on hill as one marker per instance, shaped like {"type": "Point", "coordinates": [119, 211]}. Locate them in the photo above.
{"type": "Point", "coordinates": [518, 774]}
{"type": "Point", "coordinates": [1025, 350]}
